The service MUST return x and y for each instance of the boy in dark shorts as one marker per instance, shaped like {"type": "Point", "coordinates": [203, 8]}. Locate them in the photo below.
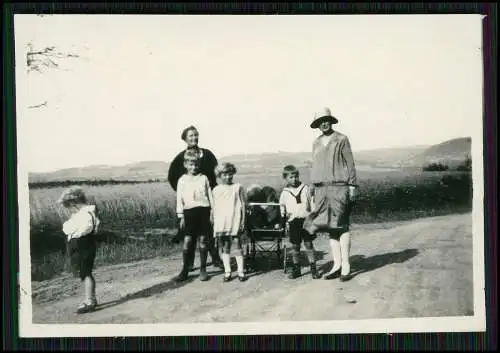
{"type": "Point", "coordinates": [295, 201]}
{"type": "Point", "coordinates": [80, 229]}
{"type": "Point", "coordinates": [194, 210]}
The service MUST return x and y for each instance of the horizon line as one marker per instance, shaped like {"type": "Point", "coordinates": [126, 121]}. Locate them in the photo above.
{"type": "Point", "coordinates": [237, 154]}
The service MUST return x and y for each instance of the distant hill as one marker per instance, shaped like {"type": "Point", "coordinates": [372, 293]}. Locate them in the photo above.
{"type": "Point", "coordinates": [449, 152]}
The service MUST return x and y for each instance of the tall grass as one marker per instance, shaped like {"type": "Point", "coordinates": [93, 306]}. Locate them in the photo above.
{"type": "Point", "coordinates": [128, 210]}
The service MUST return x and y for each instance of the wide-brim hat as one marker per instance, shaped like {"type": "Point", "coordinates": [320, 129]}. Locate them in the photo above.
{"type": "Point", "coordinates": [323, 115]}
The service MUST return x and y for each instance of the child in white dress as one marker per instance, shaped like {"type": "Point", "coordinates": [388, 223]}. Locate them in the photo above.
{"type": "Point", "coordinates": [80, 230]}
{"type": "Point", "coordinates": [229, 218]}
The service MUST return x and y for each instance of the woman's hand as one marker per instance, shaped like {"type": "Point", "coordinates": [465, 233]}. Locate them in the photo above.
{"type": "Point", "coordinates": [352, 193]}
{"type": "Point", "coordinates": [212, 216]}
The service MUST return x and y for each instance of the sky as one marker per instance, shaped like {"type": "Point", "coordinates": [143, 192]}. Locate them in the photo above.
{"type": "Point", "coordinates": [250, 84]}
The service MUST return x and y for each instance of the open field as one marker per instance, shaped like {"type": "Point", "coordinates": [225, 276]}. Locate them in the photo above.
{"type": "Point", "coordinates": [138, 220]}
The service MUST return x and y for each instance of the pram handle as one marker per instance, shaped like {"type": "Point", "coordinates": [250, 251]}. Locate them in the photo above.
{"type": "Point", "coordinates": [263, 204]}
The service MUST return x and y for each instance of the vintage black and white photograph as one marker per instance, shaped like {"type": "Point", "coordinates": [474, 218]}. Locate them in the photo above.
{"type": "Point", "coordinates": [209, 175]}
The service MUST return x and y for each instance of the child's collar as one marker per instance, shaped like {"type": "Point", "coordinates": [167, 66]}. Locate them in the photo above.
{"type": "Point", "coordinates": [295, 187]}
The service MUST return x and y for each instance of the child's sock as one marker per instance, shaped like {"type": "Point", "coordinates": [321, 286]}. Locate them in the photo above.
{"type": "Point", "coordinates": [227, 263]}
{"type": "Point", "coordinates": [311, 257]}
{"type": "Point", "coordinates": [240, 264]}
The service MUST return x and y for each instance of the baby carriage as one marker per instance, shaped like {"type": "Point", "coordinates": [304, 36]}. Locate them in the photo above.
{"type": "Point", "coordinates": [266, 228]}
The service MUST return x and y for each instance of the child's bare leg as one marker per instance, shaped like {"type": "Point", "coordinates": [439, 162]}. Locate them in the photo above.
{"type": "Point", "coordinates": [89, 284]}
{"type": "Point", "coordinates": [226, 251]}
{"type": "Point", "coordinates": [239, 258]}
{"type": "Point", "coordinates": [203, 257]}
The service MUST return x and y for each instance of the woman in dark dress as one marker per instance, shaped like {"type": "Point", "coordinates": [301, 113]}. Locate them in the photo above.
{"type": "Point", "coordinates": [208, 163]}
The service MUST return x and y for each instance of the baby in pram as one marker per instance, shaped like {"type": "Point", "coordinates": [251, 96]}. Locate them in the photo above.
{"type": "Point", "coordinates": [263, 216]}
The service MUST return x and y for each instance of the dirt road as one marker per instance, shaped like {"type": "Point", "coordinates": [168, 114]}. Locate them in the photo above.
{"type": "Point", "coordinates": [405, 269]}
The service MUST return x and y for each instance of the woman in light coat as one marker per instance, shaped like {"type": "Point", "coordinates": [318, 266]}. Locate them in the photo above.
{"type": "Point", "coordinates": [334, 183]}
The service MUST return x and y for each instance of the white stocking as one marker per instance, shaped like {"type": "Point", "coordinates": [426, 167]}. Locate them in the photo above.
{"type": "Point", "coordinates": [336, 255]}
{"type": "Point", "coordinates": [345, 250]}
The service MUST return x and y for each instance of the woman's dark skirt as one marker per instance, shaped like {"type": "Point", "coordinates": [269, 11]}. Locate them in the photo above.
{"type": "Point", "coordinates": [82, 253]}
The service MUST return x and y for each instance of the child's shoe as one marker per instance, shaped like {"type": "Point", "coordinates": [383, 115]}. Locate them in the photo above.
{"type": "Point", "coordinates": [242, 277]}
{"type": "Point", "coordinates": [295, 273]}
{"type": "Point", "coordinates": [86, 307]}
{"type": "Point", "coordinates": [227, 277]}
{"type": "Point", "coordinates": [314, 272]}
{"type": "Point", "coordinates": [203, 275]}
{"type": "Point", "coordinates": [183, 275]}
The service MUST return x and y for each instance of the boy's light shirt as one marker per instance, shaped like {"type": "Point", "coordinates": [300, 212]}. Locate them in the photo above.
{"type": "Point", "coordinates": [193, 191]}
{"type": "Point", "coordinates": [289, 206]}
{"type": "Point", "coordinates": [81, 223]}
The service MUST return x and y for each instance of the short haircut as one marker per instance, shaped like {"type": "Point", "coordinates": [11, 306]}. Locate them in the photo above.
{"type": "Point", "coordinates": [186, 130]}
{"type": "Point", "coordinates": [225, 168]}
{"type": "Point", "coordinates": [290, 170]}
{"type": "Point", "coordinates": [191, 156]}
{"type": "Point", "coordinates": [72, 196]}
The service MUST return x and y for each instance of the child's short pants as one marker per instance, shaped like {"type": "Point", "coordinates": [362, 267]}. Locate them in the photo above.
{"type": "Point", "coordinates": [82, 252]}
{"type": "Point", "coordinates": [298, 233]}
{"type": "Point", "coordinates": [197, 222]}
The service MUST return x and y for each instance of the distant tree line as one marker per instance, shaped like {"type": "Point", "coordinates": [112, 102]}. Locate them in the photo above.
{"type": "Point", "coordinates": [465, 166]}
{"type": "Point", "coordinates": [96, 182]}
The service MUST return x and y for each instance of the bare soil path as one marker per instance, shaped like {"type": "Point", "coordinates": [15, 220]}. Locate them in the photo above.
{"type": "Point", "coordinates": [415, 268]}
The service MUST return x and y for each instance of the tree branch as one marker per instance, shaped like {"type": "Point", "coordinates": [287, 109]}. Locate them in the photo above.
{"type": "Point", "coordinates": [36, 59]}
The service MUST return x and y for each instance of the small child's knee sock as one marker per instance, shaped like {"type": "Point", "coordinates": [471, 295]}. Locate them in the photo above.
{"type": "Point", "coordinates": [240, 263]}
{"type": "Point", "coordinates": [227, 263]}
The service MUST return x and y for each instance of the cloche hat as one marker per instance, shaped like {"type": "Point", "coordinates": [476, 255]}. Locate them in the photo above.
{"type": "Point", "coordinates": [323, 115]}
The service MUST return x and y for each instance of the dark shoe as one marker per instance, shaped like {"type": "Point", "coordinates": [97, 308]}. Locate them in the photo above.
{"type": "Point", "coordinates": [203, 275]}
{"type": "Point", "coordinates": [345, 278]}
{"type": "Point", "coordinates": [181, 277]}
{"type": "Point", "coordinates": [314, 272]}
{"type": "Point", "coordinates": [227, 278]}
{"type": "Point", "coordinates": [334, 275]}
{"type": "Point", "coordinates": [295, 272]}
{"type": "Point", "coordinates": [242, 278]}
